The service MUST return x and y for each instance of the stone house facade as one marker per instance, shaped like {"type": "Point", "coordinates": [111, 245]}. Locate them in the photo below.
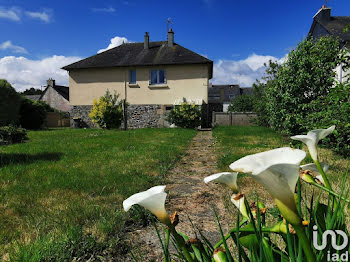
{"type": "Point", "coordinates": [56, 96]}
{"type": "Point", "coordinates": [150, 76]}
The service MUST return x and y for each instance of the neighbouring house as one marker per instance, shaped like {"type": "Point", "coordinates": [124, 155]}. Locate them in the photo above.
{"type": "Point", "coordinates": [221, 96]}
{"type": "Point", "coordinates": [33, 97]}
{"type": "Point", "coordinates": [56, 96]}
{"type": "Point", "coordinates": [326, 25]}
{"type": "Point", "coordinates": [150, 76]}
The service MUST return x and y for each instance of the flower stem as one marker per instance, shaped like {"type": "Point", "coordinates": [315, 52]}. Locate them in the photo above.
{"type": "Point", "coordinates": [323, 174]}
{"type": "Point", "coordinates": [330, 192]}
{"type": "Point", "coordinates": [181, 242]}
{"type": "Point", "coordinates": [305, 242]}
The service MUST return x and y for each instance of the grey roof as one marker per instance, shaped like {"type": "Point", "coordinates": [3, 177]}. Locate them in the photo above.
{"type": "Point", "coordinates": [336, 26]}
{"type": "Point", "coordinates": [134, 54]}
{"type": "Point", "coordinates": [331, 25]}
{"type": "Point", "coordinates": [33, 97]}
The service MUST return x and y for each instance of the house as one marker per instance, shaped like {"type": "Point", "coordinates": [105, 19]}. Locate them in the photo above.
{"type": "Point", "coordinates": [222, 95]}
{"type": "Point", "coordinates": [326, 25]}
{"type": "Point", "coordinates": [150, 76]}
{"type": "Point", "coordinates": [56, 96]}
{"type": "Point", "coordinates": [33, 97]}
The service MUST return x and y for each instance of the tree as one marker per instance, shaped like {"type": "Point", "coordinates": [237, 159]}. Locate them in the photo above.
{"type": "Point", "coordinates": [32, 91]}
{"type": "Point", "coordinates": [107, 112]}
{"type": "Point", "coordinates": [307, 75]}
{"type": "Point", "coordinates": [9, 104]}
{"type": "Point", "coordinates": [243, 103]}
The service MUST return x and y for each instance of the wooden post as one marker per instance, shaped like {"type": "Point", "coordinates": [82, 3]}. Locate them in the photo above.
{"type": "Point", "coordinates": [230, 118]}
{"type": "Point", "coordinates": [125, 115]}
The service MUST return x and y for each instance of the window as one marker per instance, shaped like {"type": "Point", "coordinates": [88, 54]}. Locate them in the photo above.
{"type": "Point", "coordinates": [132, 77]}
{"type": "Point", "coordinates": [157, 77]}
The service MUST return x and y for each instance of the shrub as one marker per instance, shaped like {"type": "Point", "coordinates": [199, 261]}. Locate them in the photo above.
{"type": "Point", "coordinates": [334, 109]}
{"type": "Point", "coordinates": [186, 115]}
{"type": "Point", "coordinates": [11, 134]}
{"type": "Point", "coordinates": [9, 104]}
{"type": "Point", "coordinates": [107, 112]}
{"type": "Point", "coordinates": [243, 103]}
{"type": "Point", "coordinates": [32, 113]}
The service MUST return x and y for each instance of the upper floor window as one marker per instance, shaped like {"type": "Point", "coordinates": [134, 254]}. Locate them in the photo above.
{"type": "Point", "coordinates": [132, 77]}
{"type": "Point", "coordinates": [157, 77]}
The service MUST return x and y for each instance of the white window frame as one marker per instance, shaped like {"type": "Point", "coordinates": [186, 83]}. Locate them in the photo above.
{"type": "Point", "coordinates": [158, 71]}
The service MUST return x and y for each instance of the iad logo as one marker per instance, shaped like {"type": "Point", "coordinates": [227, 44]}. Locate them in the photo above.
{"type": "Point", "coordinates": [337, 246]}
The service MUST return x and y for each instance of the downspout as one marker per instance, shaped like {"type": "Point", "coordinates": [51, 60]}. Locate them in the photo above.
{"type": "Point", "coordinates": [125, 115]}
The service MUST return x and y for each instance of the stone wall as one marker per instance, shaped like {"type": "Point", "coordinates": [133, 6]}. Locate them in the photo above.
{"type": "Point", "coordinates": [139, 116]}
{"type": "Point", "coordinates": [81, 112]}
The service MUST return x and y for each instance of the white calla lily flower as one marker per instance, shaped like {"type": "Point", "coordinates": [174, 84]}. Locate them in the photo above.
{"type": "Point", "coordinates": [228, 178]}
{"type": "Point", "coordinates": [238, 201]}
{"type": "Point", "coordinates": [278, 171]}
{"type": "Point", "coordinates": [153, 200]}
{"type": "Point", "coordinates": [313, 168]}
{"type": "Point", "coordinates": [311, 139]}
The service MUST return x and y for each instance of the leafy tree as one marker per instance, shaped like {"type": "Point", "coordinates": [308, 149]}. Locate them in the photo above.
{"type": "Point", "coordinates": [186, 115]}
{"type": "Point", "coordinates": [307, 75]}
{"type": "Point", "coordinates": [33, 113]}
{"type": "Point", "coordinates": [107, 112]}
{"type": "Point", "coordinates": [32, 91]}
{"type": "Point", "coordinates": [243, 103]}
{"type": "Point", "coordinates": [9, 104]}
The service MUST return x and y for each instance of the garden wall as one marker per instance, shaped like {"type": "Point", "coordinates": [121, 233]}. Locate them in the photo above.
{"type": "Point", "coordinates": [233, 118]}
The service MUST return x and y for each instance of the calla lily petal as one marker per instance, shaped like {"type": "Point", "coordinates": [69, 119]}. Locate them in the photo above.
{"type": "Point", "coordinates": [313, 168]}
{"type": "Point", "coordinates": [228, 178]}
{"type": "Point", "coordinates": [278, 171]}
{"type": "Point", "coordinates": [238, 201]}
{"type": "Point", "coordinates": [153, 200]}
{"type": "Point", "coordinates": [312, 138]}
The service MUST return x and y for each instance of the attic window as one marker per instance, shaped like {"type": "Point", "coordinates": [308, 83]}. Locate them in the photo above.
{"type": "Point", "coordinates": [157, 77]}
{"type": "Point", "coordinates": [132, 77]}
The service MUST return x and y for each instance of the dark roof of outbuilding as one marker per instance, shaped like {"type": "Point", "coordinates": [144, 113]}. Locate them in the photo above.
{"type": "Point", "coordinates": [63, 91]}
{"type": "Point", "coordinates": [336, 26]}
{"type": "Point", "coordinates": [134, 54]}
{"type": "Point", "coordinates": [33, 97]}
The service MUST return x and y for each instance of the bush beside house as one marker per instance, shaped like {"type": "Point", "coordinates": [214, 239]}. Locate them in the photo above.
{"type": "Point", "coordinates": [107, 112]}
{"type": "Point", "coordinates": [186, 115]}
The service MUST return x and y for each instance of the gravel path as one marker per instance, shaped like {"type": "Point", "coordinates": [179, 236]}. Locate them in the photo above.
{"type": "Point", "coordinates": [190, 197]}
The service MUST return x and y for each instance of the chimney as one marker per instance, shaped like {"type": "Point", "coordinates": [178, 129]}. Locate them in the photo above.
{"type": "Point", "coordinates": [171, 38]}
{"type": "Point", "coordinates": [50, 82]}
{"type": "Point", "coordinates": [146, 43]}
{"type": "Point", "coordinates": [324, 14]}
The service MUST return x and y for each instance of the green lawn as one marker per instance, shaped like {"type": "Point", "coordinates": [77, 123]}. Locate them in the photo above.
{"type": "Point", "coordinates": [235, 142]}
{"type": "Point", "coordinates": [61, 191]}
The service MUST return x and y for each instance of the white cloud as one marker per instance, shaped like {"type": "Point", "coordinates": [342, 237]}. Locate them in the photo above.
{"type": "Point", "coordinates": [242, 72]}
{"type": "Point", "coordinates": [115, 41]}
{"type": "Point", "coordinates": [12, 14]}
{"type": "Point", "coordinates": [24, 73]}
{"type": "Point", "coordinates": [44, 16]}
{"type": "Point", "coordinates": [104, 9]}
{"type": "Point", "coordinates": [14, 48]}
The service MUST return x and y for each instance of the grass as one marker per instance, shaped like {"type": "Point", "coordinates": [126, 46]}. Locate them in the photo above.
{"type": "Point", "coordinates": [235, 142]}
{"type": "Point", "coordinates": [61, 192]}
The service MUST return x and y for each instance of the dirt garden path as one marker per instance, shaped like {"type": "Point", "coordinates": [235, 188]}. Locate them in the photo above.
{"type": "Point", "coordinates": [189, 196]}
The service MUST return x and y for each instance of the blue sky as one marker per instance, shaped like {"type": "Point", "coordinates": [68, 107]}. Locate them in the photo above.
{"type": "Point", "coordinates": [38, 37]}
